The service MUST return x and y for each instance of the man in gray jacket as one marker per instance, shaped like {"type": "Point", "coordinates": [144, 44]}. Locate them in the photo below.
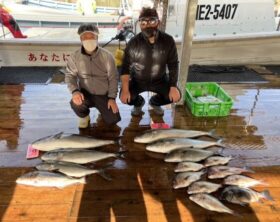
{"type": "Point", "coordinates": [92, 79]}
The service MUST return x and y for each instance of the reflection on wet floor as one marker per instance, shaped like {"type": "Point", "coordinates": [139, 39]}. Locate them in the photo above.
{"type": "Point", "coordinates": [141, 189]}
{"type": "Point", "coordinates": [251, 132]}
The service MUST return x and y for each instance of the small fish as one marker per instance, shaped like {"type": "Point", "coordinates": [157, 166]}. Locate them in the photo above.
{"type": "Point", "coordinates": [69, 169]}
{"type": "Point", "coordinates": [48, 179]}
{"type": "Point", "coordinates": [78, 156]}
{"type": "Point", "coordinates": [210, 203]}
{"type": "Point", "coordinates": [203, 187]}
{"type": "Point", "coordinates": [188, 166]}
{"type": "Point", "coordinates": [73, 141]}
{"type": "Point", "coordinates": [242, 181]}
{"type": "Point", "coordinates": [187, 154]}
{"type": "Point", "coordinates": [186, 178]}
{"type": "Point", "coordinates": [216, 172]}
{"type": "Point", "coordinates": [217, 160]}
{"type": "Point", "coordinates": [158, 134]}
{"type": "Point", "coordinates": [242, 196]}
{"type": "Point", "coordinates": [167, 145]}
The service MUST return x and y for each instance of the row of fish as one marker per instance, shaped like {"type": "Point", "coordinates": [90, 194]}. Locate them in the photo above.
{"type": "Point", "coordinates": [194, 158]}
{"type": "Point", "coordinates": [61, 166]}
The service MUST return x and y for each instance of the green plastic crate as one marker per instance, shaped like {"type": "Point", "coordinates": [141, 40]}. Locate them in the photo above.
{"type": "Point", "coordinates": [199, 108]}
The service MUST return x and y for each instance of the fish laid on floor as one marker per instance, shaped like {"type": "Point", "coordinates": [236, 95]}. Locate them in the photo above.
{"type": "Point", "coordinates": [78, 156]}
{"type": "Point", "coordinates": [188, 166]}
{"type": "Point", "coordinates": [167, 145]}
{"type": "Point", "coordinates": [48, 179]}
{"type": "Point", "coordinates": [69, 169]}
{"type": "Point", "coordinates": [216, 172]}
{"type": "Point", "coordinates": [203, 187]}
{"type": "Point", "coordinates": [158, 134]}
{"type": "Point", "coordinates": [210, 203]}
{"type": "Point", "coordinates": [242, 196]}
{"type": "Point", "coordinates": [242, 181]}
{"type": "Point", "coordinates": [217, 160]}
{"type": "Point", "coordinates": [73, 141]}
{"type": "Point", "coordinates": [186, 178]}
{"type": "Point", "coordinates": [187, 154]}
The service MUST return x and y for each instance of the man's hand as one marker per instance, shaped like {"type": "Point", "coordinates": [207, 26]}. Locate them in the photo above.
{"type": "Point", "coordinates": [174, 94]}
{"type": "Point", "coordinates": [113, 105]}
{"type": "Point", "coordinates": [125, 96]}
{"type": "Point", "coordinates": [78, 98]}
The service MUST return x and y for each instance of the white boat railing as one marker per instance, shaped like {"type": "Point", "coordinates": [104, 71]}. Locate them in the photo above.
{"type": "Point", "coordinates": [68, 6]}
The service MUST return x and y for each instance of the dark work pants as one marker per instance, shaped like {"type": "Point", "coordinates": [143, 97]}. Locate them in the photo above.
{"type": "Point", "coordinates": [161, 88]}
{"type": "Point", "coordinates": [100, 102]}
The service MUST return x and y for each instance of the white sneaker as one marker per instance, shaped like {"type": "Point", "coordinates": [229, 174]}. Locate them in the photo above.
{"type": "Point", "coordinates": [84, 122]}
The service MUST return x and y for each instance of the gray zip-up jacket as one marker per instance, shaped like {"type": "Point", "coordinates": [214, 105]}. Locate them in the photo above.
{"type": "Point", "coordinates": [95, 73]}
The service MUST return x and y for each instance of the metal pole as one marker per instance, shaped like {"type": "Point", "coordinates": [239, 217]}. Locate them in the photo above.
{"type": "Point", "coordinates": [186, 46]}
{"type": "Point", "coordinates": [3, 30]}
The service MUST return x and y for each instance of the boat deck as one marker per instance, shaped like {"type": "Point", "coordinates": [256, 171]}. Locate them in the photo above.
{"type": "Point", "coordinates": [141, 189]}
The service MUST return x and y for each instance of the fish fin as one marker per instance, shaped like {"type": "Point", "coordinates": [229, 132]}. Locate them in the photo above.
{"type": "Point", "coordinates": [248, 169]}
{"type": "Point", "coordinates": [212, 132]}
{"type": "Point", "coordinates": [46, 137]}
{"type": "Point", "coordinates": [58, 135]}
{"type": "Point", "coordinates": [267, 195]}
{"type": "Point", "coordinates": [204, 171]}
{"type": "Point", "coordinates": [102, 173]}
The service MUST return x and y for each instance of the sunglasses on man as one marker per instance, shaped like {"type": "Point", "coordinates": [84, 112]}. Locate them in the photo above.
{"type": "Point", "coordinates": [150, 21]}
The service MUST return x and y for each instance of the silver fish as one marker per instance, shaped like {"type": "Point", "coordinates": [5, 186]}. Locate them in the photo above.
{"type": "Point", "coordinates": [69, 169]}
{"type": "Point", "coordinates": [203, 187]}
{"type": "Point", "coordinates": [158, 134]}
{"type": "Point", "coordinates": [186, 178]}
{"type": "Point", "coordinates": [217, 160]}
{"type": "Point", "coordinates": [73, 141]}
{"type": "Point", "coordinates": [210, 203]}
{"type": "Point", "coordinates": [48, 179]}
{"type": "Point", "coordinates": [216, 172]}
{"type": "Point", "coordinates": [167, 145]}
{"type": "Point", "coordinates": [242, 196]}
{"type": "Point", "coordinates": [188, 166]}
{"type": "Point", "coordinates": [242, 181]}
{"type": "Point", "coordinates": [77, 156]}
{"type": "Point", "coordinates": [187, 154]}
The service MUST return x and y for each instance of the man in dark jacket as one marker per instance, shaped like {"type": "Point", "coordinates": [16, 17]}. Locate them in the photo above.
{"type": "Point", "coordinates": [92, 79]}
{"type": "Point", "coordinates": [144, 66]}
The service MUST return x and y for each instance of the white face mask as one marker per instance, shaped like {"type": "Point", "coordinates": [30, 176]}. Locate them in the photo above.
{"type": "Point", "coordinates": [90, 45]}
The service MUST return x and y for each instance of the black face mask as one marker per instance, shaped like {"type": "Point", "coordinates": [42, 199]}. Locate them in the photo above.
{"type": "Point", "coordinates": [149, 32]}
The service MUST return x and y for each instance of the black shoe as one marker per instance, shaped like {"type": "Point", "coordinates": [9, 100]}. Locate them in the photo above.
{"type": "Point", "coordinates": [157, 110]}
{"type": "Point", "coordinates": [137, 110]}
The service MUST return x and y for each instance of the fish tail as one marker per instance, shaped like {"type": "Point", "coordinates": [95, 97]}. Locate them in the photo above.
{"type": "Point", "coordinates": [236, 214]}
{"type": "Point", "coordinates": [248, 169]}
{"type": "Point", "coordinates": [267, 195]}
{"type": "Point", "coordinates": [121, 153]}
{"type": "Point", "coordinates": [212, 133]}
{"type": "Point", "coordinates": [105, 176]}
{"type": "Point", "coordinates": [220, 143]}
{"type": "Point", "coordinates": [263, 183]}
{"type": "Point", "coordinates": [118, 141]}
